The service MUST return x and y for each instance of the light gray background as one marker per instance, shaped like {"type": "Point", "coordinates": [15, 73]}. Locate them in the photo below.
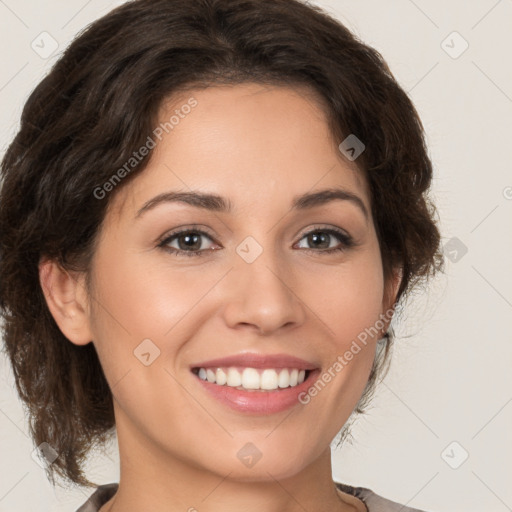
{"type": "Point", "coordinates": [450, 376]}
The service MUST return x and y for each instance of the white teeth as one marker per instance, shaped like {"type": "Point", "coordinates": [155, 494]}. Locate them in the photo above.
{"type": "Point", "coordinates": [284, 379]}
{"type": "Point", "coordinates": [234, 378]}
{"type": "Point", "coordinates": [251, 378]}
{"type": "Point", "coordinates": [269, 379]}
{"type": "Point", "coordinates": [220, 377]}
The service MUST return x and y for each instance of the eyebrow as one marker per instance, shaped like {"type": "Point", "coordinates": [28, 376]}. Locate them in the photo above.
{"type": "Point", "coordinates": [219, 204]}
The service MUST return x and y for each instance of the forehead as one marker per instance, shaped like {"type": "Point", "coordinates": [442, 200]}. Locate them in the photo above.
{"type": "Point", "coordinates": [248, 142]}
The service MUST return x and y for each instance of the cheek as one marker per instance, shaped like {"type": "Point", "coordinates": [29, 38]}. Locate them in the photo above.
{"type": "Point", "coordinates": [146, 298]}
{"type": "Point", "coordinates": [350, 303]}
{"type": "Point", "coordinates": [351, 307]}
{"type": "Point", "coordinates": [348, 298]}
{"type": "Point", "coordinates": [138, 300]}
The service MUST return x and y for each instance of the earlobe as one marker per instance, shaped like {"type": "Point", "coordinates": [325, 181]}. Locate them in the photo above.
{"type": "Point", "coordinates": [397, 281]}
{"type": "Point", "coordinates": [389, 299]}
{"type": "Point", "coordinates": [66, 298]}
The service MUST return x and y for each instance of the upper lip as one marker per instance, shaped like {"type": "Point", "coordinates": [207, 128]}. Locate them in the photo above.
{"type": "Point", "coordinates": [252, 360]}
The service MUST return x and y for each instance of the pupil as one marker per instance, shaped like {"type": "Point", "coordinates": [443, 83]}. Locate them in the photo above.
{"type": "Point", "coordinates": [315, 237]}
{"type": "Point", "coordinates": [191, 241]}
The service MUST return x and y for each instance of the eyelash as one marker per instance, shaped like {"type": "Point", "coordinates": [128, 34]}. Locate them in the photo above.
{"type": "Point", "coordinates": [346, 241]}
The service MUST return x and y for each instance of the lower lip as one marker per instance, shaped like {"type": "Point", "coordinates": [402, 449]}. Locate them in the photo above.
{"type": "Point", "coordinates": [259, 402]}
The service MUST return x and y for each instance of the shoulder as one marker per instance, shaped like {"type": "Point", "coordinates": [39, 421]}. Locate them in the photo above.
{"type": "Point", "coordinates": [102, 494]}
{"type": "Point", "coordinates": [373, 501]}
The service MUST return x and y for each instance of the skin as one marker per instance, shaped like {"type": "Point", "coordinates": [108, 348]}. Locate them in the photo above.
{"type": "Point", "coordinates": [259, 146]}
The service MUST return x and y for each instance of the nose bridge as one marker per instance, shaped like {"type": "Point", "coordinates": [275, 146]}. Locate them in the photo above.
{"type": "Point", "coordinates": [262, 289]}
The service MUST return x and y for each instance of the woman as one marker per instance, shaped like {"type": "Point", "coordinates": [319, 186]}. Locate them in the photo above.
{"type": "Point", "coordinates": [208, 217]}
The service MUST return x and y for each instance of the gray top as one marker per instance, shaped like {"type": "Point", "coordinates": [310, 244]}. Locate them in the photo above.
{"type": "Point", "coordinates": [373, 502]}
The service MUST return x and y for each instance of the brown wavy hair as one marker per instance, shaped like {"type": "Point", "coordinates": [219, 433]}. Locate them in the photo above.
{"type": "Point", "coordinates": [100, 102]}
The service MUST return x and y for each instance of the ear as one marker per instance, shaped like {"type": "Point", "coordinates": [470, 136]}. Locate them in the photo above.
{"type": "Point", "coordinates": [389, 298]}
{"type": "Point", "coordinates": [67, 300]}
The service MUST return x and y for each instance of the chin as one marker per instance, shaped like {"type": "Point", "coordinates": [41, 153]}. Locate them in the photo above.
{"type": "Point", "coordinates": [252, 465]}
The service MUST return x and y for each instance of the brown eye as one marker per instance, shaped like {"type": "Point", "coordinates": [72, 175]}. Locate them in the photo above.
{"type": "Point", "coordinates": [189, 242]}
{"type": "Point", "coordinates": [319, 240]}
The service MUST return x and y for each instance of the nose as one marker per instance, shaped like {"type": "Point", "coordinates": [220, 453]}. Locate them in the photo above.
{"type": "Point", "coordinates": [261, 296]}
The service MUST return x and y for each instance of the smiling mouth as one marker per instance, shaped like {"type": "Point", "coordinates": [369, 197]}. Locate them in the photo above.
{"type": "Point", "coordinates": [253, 379]}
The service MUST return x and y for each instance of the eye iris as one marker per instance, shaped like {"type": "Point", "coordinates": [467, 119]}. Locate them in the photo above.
{"type": "Point", "coordinates": [192, 241]}
{"type": "Point", "coordinates": [315, 237]}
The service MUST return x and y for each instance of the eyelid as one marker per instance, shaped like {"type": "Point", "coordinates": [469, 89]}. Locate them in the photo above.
{"type": "Point", "coordinates": [324, 227]}
{"type": "Point", "coordinates": [198, 228]}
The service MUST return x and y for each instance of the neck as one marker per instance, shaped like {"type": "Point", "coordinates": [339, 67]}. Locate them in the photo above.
{"type": "Point", "coordinates": [151, 481]}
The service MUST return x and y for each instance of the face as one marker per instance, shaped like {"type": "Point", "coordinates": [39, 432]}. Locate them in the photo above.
{"type": "Point", "coordinates": [273, 283]}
